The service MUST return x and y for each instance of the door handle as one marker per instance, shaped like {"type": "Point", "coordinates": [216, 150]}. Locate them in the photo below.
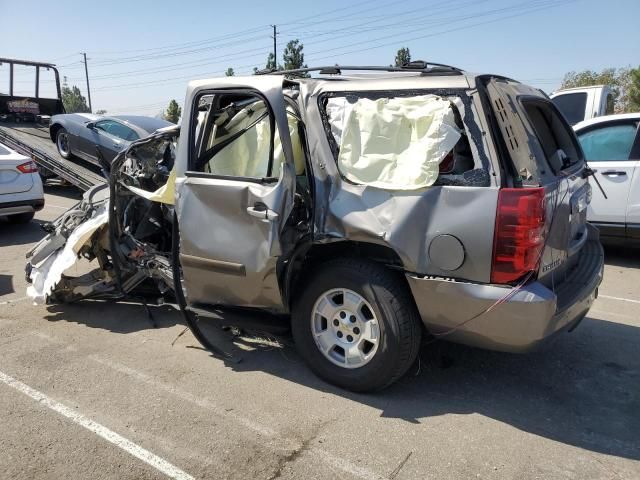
{"type": "Point", "coordinates": [614, 173]}
{"type": "Point", "coordinates": [261, 211]}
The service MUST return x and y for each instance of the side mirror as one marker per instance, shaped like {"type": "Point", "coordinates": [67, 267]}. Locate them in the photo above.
{"type": "Point", "coordinates": [91, 125]}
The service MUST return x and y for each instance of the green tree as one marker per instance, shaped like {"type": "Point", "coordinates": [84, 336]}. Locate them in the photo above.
{"type": "Point", "coordinates": [620, 80]}
{"type": "Point", "coordinates": [634, 91]}
{"type": "Point", "coordinates": [271, 63]}
{"type": "Point", "coordinates": [73, 100]}
{"type": "Point", "coordinates": [293, 57]}
{"type": "Point", "coordinates": [102, 111]}
{"type": "Point", "coordinates": [403, 57]}
{"type": "Point", "coordinates": [229, 72]}
{"type": "Point", "coordinates": [173, 112]}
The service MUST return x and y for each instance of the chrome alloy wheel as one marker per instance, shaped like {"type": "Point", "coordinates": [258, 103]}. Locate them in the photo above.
{"type": "Point", "coordinates": [345, 328]}
{"type": "Point", "coordinates": [63, 143]}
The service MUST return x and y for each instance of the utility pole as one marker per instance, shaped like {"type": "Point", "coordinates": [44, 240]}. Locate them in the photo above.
{"type": "Point", "coordinates": [86, 74]}
{"type": "Point", "coordinates": [275, 49]}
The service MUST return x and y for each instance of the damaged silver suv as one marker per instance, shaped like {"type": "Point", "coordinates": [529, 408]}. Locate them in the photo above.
{"type": "Point", "coordinates": [369, 207]}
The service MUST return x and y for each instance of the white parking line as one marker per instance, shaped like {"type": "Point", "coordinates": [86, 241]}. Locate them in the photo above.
{"type": "Point", "coordinates": [189, 397]}
{"type": "Point", "coordinates": [619, 298]}
{"type": "Point", "coordinates": [100, 430]}
{"type": "Point", "coordinates": [330, 459]}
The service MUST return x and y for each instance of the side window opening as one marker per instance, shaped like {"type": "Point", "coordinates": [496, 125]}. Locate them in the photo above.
{"type": "Point", "coordinates": [403, 142]}
{"type": "Point", "coordinates": [610, 143]}
{"type": "Point", "coordinates": [238, 139]}
{"type": "Point", "coordinates": [236, 136]}
{"type": "Point", "coordinates": [122, 131]}
{"type": "Point", "coordinates": [117, 130]}
{"type": "Point", "coordinates": [104, 125]}
{"type": "Point", "coordinates": [556, 141]}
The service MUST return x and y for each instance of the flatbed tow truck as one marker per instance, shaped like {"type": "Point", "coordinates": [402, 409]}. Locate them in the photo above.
{"type": "Point", "coordinates": [23, 128]}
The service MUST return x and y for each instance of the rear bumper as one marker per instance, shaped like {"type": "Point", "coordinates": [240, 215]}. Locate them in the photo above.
{"type": "Point", "coordinates": [23, 206]}
{"type": "Point", "coordinates": [528, 318]}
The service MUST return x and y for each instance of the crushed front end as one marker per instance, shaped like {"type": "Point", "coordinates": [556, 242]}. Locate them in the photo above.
{"type": "Point", "coordinates": [120, 232]}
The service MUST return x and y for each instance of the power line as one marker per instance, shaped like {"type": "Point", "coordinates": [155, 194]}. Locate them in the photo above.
{"type": "Point", "coordinates": [155, 56]}
{"type": "Point", "coordinates": [179, 46]}
{"type": "Point", "coordinates": [543, 4]}
{"type": "Point", "coordinates": [179, 50]}
{"type": "Point", "coordinates": [235, 55]}
{"type": "Point", "coordinates": [520, 9]}
{"type": "Point", "coordinates": [421, 37]}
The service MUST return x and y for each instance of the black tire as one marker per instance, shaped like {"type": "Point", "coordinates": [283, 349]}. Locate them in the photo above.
{"type": "Point", "coordinates": [66, 154]}
{"type": "Point", "coordinates": [21, 217]}
{"type": "Point", "coordinates": [398, 319]}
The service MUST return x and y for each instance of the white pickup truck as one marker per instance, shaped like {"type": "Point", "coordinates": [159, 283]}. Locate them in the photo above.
{"type": "Point", "coordinates": [584, 103]}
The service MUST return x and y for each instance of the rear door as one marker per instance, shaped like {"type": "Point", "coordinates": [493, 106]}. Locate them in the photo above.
{"type": "Point", "coordinates": [236, 194]}
{"type": "Point", "coordinates": [544, 151]}
{"type": "Point", "coordinates": [607, 147]}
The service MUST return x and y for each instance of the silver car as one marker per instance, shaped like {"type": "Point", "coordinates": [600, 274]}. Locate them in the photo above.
{"type": "Point", "coordinates": [86, 136]}
{"type": "Point", "coordinates": [368, 211]}
{"type": "Point", "coordinates": [21, 193]}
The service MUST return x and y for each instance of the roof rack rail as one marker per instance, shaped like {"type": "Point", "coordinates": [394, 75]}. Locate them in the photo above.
{"type": "Point", "coordinates": [415, 66]}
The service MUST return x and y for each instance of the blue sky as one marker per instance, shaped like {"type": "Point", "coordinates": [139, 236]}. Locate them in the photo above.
{"type": "Point", "coordinates": [142, 53]}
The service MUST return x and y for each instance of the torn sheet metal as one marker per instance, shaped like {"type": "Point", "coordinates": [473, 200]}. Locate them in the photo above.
{"type": "Point", "coordinates": [393, 143]}
{"type": "Point", "coordinates": [46, 275]}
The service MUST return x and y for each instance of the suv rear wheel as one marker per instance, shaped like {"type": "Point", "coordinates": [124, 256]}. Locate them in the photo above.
{"type": "Point", "coordinates": [356, 325]}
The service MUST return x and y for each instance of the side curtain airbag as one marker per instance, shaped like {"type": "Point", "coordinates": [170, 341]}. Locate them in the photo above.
{"type": "Point", "coordinates": [393, 143]}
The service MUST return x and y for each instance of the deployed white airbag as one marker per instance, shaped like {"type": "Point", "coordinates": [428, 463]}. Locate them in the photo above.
{"type": "Point", "coordinates": [393, 143]}
{"type": "Point", "coordinates": [164, 194]}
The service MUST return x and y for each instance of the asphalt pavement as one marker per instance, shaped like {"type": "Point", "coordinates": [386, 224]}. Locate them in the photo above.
{"type": "Point", "coordinates": [93, 390]}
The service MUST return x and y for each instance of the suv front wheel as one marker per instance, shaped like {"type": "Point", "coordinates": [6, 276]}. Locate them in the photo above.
{"type": "Point", "coordinates": [356, 325]}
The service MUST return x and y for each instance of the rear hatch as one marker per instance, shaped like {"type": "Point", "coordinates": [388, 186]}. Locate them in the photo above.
{"type": "Point", "coordinates": [11, 179]}
{"type": "Point", "coordinates": [539, 149]}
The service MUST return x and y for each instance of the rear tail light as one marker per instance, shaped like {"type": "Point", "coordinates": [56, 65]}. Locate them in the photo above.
{"type": "Point", "coordinates": [28, 167]}
{"type": "Point", "coordinates": [520, 233]}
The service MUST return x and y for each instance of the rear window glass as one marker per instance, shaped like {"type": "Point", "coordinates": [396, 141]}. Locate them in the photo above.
{"type": "Point", "coordinates": [608, 143]}
{"type": "Point", "coordinates": [555, 138]}
{"type": "Point", "coordinates": [572, 106]}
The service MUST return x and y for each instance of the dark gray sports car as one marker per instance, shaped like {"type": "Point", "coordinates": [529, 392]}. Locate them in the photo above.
{"type": "Point", "coordinates": [83, 134]}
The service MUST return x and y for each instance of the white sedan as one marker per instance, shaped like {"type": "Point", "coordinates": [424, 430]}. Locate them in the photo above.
{"type": "Point", "coordinates": [611, 145]}
{"type": "Point", "coordinates": [21, 193]}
